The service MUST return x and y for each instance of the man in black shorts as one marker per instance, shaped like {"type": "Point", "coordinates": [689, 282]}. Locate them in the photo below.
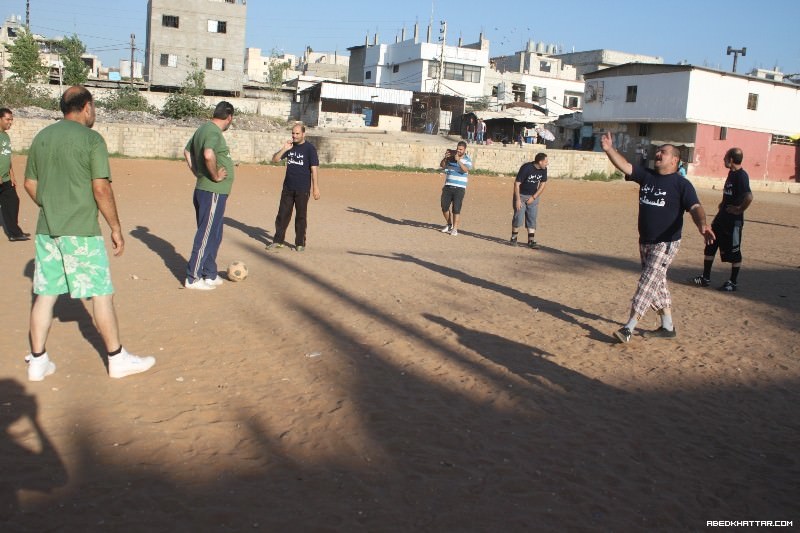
{"type": "Point", "coordinates": [727, 225]}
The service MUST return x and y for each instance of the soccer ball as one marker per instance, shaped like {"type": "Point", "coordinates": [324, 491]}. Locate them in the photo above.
{"type": "Point", "coordinates": [237, 271]}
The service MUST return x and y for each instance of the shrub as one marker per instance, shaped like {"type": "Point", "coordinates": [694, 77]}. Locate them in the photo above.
{"type": "Point", "coordinates": [126, 99]}
{"type": "Point", "coordinates": [602, 176]}
{"type": "Point", "coordinates": [15, 93]}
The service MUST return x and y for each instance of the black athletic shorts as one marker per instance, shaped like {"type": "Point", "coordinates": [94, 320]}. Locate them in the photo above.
{"type": "Point", "coordinates": [729, 240]}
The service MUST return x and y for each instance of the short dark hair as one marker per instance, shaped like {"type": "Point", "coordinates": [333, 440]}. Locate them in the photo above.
{"type": "Point", "coordinates": [541, 156]}
{"type": "Point", "coordinates": [735, 155]}
{"type": "Point", "coordinates": [223, 110]}
{"type": "Point", "coordinates": [75, 99]}
{"type": "Point", "coordinates": [5, 111]}
{"type": "Point", "coordinates": [461, 143]}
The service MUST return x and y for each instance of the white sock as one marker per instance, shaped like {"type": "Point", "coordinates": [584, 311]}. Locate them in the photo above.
{"type": "Point", "coordinates": [666, 322]}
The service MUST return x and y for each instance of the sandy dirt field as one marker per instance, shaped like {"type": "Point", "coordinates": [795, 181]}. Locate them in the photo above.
{"type": "Point", "coordinates": [394, 378]}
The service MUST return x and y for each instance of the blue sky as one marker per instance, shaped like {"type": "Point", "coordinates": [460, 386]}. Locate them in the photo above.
{"type": "Point", "coordinates": [698, 31]}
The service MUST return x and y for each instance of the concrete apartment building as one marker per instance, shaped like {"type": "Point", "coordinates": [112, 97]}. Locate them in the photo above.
{"type": "Point", "coordinates": [206, 33]}
{"type": "Point", "coordinates": [414, 65]}
{"type": "Point", "coordinates": [535, 76]}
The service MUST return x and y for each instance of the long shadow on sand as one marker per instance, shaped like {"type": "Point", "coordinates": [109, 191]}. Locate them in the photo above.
{"type": "Point", "coordinates": [423, 225]}
{"type": "Point", "coordinates": [174, 261]}
{"type": "Point", "coordinates": [473, 432]}
{"type": "Point", "coordinates": [34, 466]}
{"type": "Point", "coordinates": [550, 307]}
{"type": "Point", "coordinates": [490, 435]}
{"type": "Point", "coordinates": [254, 232]}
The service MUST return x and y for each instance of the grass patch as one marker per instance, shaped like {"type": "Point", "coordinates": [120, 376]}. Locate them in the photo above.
{"type": "Point", "coordinates": [602, 176]}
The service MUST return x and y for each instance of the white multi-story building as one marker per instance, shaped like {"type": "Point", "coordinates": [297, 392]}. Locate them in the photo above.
{"type": "Point", "coordinates": [413, 65]}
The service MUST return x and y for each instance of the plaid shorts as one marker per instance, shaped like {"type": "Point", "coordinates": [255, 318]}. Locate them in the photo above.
{"type": "Point", "coordinates": [652, 290]}
{"type": "Point", "coordinates": [78, 265]}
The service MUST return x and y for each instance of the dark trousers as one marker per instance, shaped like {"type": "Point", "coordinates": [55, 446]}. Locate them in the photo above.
{"type": "Point", "coordinates": [9, 205]}
{"type": "Point", "coordinates": [299, 201]}
{"type": "Point", "coordinates": [209, 209]}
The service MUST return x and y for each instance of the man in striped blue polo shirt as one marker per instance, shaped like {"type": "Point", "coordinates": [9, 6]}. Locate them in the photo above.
{"type": "Point", "coordinates": [456, 165]}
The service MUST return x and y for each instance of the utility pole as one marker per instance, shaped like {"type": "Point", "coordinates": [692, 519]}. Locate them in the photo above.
{"type": "Point", "coordinates": [133, 47]}
{"type": "Point", "coordinates": [443, 39]}
{"type": "Point", "coordinates": [736, 53]}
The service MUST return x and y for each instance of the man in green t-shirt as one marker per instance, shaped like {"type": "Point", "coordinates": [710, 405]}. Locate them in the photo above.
{"type": "Point", "coordinates": [209, 159]}
{"type": "Point", "coordinates": [68, 177]}
{"type": "Point", "coordinates": [9, 200]}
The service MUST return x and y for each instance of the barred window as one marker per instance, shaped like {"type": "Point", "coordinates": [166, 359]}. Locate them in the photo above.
{"type": "Point", "coordinates": [170, 21]}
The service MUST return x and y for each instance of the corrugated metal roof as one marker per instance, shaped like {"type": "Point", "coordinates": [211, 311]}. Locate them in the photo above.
{"type": "Point", "coordinates": [339, 91]}
{"type": "Point", "coordinates": [517, 114]}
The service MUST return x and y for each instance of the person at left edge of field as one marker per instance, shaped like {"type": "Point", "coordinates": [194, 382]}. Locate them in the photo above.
{"type": "Point", "coordinates": [68, 159]}
{"type": "Point", "coordinates": [209, 159]}
{"type": "Point", "coordinates": [9, 200]}
{"type": "Point", "coordinates": [456, 164]}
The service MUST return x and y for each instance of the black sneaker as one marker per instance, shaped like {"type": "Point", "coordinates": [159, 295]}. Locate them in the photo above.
{"type": "Point", "coordinates": [513, 240]}
{"type": "Point", "coordinates": [660, 333]}
{"type": "Point", "coordinates": [700, 281]}
{"type": "Point", "coordinates": [728, 286]}
{"type": "Point", "coordinates": [533, 245]}
{"type": "Point", "coordinates": [623, 334]}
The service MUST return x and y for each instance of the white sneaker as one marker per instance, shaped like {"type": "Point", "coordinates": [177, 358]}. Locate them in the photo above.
{"type": "Point", "coordinates": [198, 284]}
{"type": "Point", "coordinates": [446, 229]}
{"type": "Point", "coordinates": [216, 282]}
{"type": "Point", "coordinates": [39, 367]}
{"type": "Point", "coordinates": [454, 232]}
{"type": "Point", "coordinates": [126, 364]}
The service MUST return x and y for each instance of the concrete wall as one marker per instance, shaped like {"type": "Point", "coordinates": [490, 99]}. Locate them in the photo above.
{"type": "Point", "coordinates": [136, 140]}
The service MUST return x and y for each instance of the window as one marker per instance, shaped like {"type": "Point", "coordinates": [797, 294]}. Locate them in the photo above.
{"type": "Point", "coordinates": [170, 21]}
{"type": "Point", "coordinates": [544, 66]}
{"type": "Point", "coordinates": [169, 60]}
{"type": "Point", "coordinates": [454, 71]}
{"type": "Point", "coordinates": [723, 133]}
{"type": "Point", "coordinates": [217, 26]}
{"type": "Point", "coordinates": [571, 102]}
{"type": "Point", "coordinates": [631, 94]}
{"type": "Point", "coordinates": [518, 91]}
{"type": "Point", "coordinates": [644, 130]}
{"type": "Point", "coordinates": [396, 68]}
{"type": "Point", "coordinates": [752, 101]}
{"type": "Point", "coordinates": [215, 63]}
{"type": "Point", "coordinates": [368, 75]}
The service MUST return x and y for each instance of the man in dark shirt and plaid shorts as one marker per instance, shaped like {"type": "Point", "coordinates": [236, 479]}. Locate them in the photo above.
{"type": "Point", "coordinates": [664, 195]}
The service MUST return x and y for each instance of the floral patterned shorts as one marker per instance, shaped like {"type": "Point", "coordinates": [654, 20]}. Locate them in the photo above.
{"type": "Point", "coordinates": [78, 265]}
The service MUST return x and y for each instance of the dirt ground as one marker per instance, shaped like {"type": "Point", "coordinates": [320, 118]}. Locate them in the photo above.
{"type": "Point", "coordinates": [394, 378]}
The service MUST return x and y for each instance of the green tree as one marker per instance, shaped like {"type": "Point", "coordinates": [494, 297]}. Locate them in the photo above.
{"type": "Point", "coordinates": [275, 70]}
{"type": "Point", "coordinates": [188, 101]}
{"type": "Point", "coordinates": [75, 71]}
{"type": "Point", "coordinates": [24, 59]}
